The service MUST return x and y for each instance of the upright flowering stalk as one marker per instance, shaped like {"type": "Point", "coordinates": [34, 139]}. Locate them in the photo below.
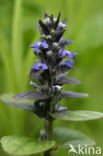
{"type": "Point", "coordinates": [48, 75]}
{"type": "Point", "coordinates": [50, 71]}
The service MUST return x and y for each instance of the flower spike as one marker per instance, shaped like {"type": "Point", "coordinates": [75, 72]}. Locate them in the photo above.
{"type": "Point", "coordinates": [50, 72]}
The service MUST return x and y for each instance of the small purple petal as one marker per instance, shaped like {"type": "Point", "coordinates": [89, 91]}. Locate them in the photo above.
{"type": "Point", "coordinates": [69, 54]}
{"type": "Point", "coordinates": [40, 66]}
{"type": "Point", "coordinates": [61, 24]}
{"type": "Point", "coordinates": [69, 63]}
{"type": "Point", "coordinates": [60, 108]}
{"type": "Point", "coordinates": [68, 41]}
{"type": "Point", "coordinates": [62, 39]}
{"type": "Point", "coordinates": [36, 45]}
{"type": "Point", "coordinates": [44, 45]}
{"type": "Point", "coordinates": [36, 49]}
{"type": "Point", "coordinates": [61, 52]}
{"type": "Point", "coordinates": [65, 53]}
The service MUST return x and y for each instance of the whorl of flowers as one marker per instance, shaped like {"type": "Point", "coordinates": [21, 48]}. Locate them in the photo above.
{"type": "Point", "coordinates": [49, 73]}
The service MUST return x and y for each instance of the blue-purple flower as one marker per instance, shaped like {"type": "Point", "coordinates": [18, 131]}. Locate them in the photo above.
{"type": "Point", "coordinates": [67, 42]}
{"type": "Point", "coordinates": [64, 65]}
{"type": "Point", "coordinates": [61, 26]}
{"type": "Point", "coordinates": [65, 53]}
{"type": "Point", "coordinates": [39, 66]}
{"type": "Point", "coordinates": [36, 45]}
{"type": "Point", "coordinates": [69, 63]}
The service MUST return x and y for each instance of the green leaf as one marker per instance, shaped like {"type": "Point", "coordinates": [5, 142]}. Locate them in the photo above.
{"type": "Point", "coordinates": [65, 137]}
{"type": "Point", "coordinates": [24, 146]}
{"type": "Point", "coordinates": [69, 94]}
{"type": "Point", "coordinates": [23, 104]}
{"type": "Point", "coordinates": [31, 95]}
{"type": "Point", "coordinates": [68, 80]}
{"type": "Point", "coordinates": [78, 115]}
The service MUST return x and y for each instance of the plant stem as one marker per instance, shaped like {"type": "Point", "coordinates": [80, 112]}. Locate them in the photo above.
{"type": "Point", "coordinates": [49, 134]}
{"type": "Point", "coordinates": [49, 129]}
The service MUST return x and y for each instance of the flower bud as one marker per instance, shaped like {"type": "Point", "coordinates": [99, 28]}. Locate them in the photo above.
{"type": "Point", "coordinates": [62, 25]}
{"type": "Point", "coordinates": [41, 103]}
{"type": "Point", "coordinates": [44, 36]}
{"type": "Point", "coordinates": [49, 53]}
{"type": "Point", "coordinates": [57, 88]}
{"type": "Point", "coordinates": [47, 20]}
{"type": "Point", "coordinates": [48, 37]}
{"type": "Point", "coordinates": [56, 46]}
{"type": "Point", "coordinates": [55, 19]}
{"type": "Point", "coordinates": [52, 31]}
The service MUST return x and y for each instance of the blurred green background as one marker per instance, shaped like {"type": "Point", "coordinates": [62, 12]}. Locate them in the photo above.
{"type": "Point", "coordinates": [18, 29]}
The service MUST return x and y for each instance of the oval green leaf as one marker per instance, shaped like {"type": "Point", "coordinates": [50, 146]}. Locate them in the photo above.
{"type": "Point", "coordinates": [66, 137]}
{"type": "Point", "coordinates": [69, 94]}
{"type": "Point", "coordinates": [23, 104]}
{"type": "Point", "coordinates": [31, 95]}
{"type": "Point", "coordinates": [78, 115]}
{"type": "Point", "coordinates": [25, 146]}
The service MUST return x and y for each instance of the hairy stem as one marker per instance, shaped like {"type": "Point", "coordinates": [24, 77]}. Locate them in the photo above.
{"type": "Point", "coordinates": [49, 134]}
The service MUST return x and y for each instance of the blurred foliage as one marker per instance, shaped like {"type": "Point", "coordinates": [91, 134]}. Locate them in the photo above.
{"type": "Point", "coordinates": [18, 29]}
